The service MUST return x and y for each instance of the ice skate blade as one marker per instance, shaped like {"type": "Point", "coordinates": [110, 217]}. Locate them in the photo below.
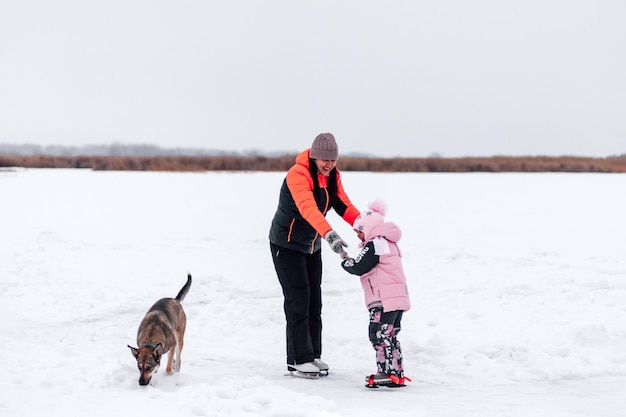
{"type": "Point", "coordinates": [390, 385]}
{"type": "Point", "coordinates": [305, 375]}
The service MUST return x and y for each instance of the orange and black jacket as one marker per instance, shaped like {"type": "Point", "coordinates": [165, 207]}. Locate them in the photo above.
{"type": "Point", "coordinates": [305, 198]}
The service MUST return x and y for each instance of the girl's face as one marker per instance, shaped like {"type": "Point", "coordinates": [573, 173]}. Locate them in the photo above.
{"type": "Point", "coordinates": [360, 235]}
{"type": "Point", "coordinates": [324, 167]}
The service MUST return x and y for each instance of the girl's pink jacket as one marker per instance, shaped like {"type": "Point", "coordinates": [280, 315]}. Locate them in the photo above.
{"type": "Point", "coordinates": [385, 284]}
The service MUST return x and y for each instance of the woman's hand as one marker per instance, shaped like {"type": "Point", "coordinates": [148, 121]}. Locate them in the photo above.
{"type": "Point", "coordinates": [336, 243]}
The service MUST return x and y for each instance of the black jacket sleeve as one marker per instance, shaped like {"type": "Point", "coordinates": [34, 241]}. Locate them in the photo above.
{"type": "Point", "coordinates": [364, 262]}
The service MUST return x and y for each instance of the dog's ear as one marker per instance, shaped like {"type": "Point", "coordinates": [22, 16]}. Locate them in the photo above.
{"type": "Point", "coordinates": [158, 351]}
{"type": "Point", "coordinates": [134, 351]}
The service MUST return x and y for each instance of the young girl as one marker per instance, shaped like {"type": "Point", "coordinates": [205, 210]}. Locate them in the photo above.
{"type": "Point", "coordinates": [386, 295]}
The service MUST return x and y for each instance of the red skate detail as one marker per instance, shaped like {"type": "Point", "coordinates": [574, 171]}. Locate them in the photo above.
{"type": "Point", "coordinates": [399, 381]}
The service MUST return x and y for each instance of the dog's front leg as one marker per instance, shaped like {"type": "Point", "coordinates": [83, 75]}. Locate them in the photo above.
{"type": "Point", "coordinates": [177, 362]}
{"type": "Point", "coordinates": [170, 359]}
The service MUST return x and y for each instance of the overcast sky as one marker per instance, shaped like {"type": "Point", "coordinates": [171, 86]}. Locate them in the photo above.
{"type": "Point", "coordinates": [388, 78]}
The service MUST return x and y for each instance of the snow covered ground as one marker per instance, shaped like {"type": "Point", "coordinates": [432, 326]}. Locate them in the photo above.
{"type": "Point", "coordinates": [518, 283]}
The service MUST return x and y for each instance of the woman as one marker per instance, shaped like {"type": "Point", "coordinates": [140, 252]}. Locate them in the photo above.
{"type": "Point", "coordinates": [311, 187]}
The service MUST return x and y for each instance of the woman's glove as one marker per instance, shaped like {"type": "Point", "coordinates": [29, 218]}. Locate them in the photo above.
{"type": "Point", "coordinates": [336, 243]}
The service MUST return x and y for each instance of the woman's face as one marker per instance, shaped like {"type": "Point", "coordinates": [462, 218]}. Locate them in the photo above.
{"type": "Point", "coordinates": [324, 167]}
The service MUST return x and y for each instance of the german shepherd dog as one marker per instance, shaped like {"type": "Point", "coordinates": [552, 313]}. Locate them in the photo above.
{"type": "Point", "coordinates": [161, 331]}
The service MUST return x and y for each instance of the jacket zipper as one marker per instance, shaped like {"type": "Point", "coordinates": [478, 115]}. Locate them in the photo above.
{"type": "Point", "coordinates": [290, 230]}
{"type": "Point", "coordinates": [323, 213]}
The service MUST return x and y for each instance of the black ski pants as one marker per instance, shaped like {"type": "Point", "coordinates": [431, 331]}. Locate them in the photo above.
{"type": "Point", "coordinates": [300, 276]}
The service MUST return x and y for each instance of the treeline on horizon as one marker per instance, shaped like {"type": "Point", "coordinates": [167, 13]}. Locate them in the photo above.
{"type": "Point", "coordinates": [616, 164]}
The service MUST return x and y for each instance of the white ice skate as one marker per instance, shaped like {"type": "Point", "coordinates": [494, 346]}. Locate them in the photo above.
{"type": "Point", "coordinates": [322, 366]}
{"type": "Point", "coordinates": [304, 370]}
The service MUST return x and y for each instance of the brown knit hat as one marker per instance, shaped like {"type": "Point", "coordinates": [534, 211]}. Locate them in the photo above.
{"type": "Point", "coordinates": [324, 147]}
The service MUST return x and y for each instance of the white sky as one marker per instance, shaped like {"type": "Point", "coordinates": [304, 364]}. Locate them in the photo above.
{"type": "Point", "coordinates": [388, 78]}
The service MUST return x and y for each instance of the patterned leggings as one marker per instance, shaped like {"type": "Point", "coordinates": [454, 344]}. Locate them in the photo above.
{"type": "Point", "coordinates": [383, 329]}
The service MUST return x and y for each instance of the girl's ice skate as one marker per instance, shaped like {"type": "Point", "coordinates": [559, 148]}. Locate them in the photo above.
{"type": "Point", "coordinates": [382, 380]}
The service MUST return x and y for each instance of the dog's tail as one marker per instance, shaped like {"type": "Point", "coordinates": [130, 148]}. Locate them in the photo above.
{"type": "Point", "coordinates": [183, 291]}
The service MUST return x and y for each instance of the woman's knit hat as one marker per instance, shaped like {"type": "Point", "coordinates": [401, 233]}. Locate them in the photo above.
{"type": "Point", "coordinates": [324, 147]}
